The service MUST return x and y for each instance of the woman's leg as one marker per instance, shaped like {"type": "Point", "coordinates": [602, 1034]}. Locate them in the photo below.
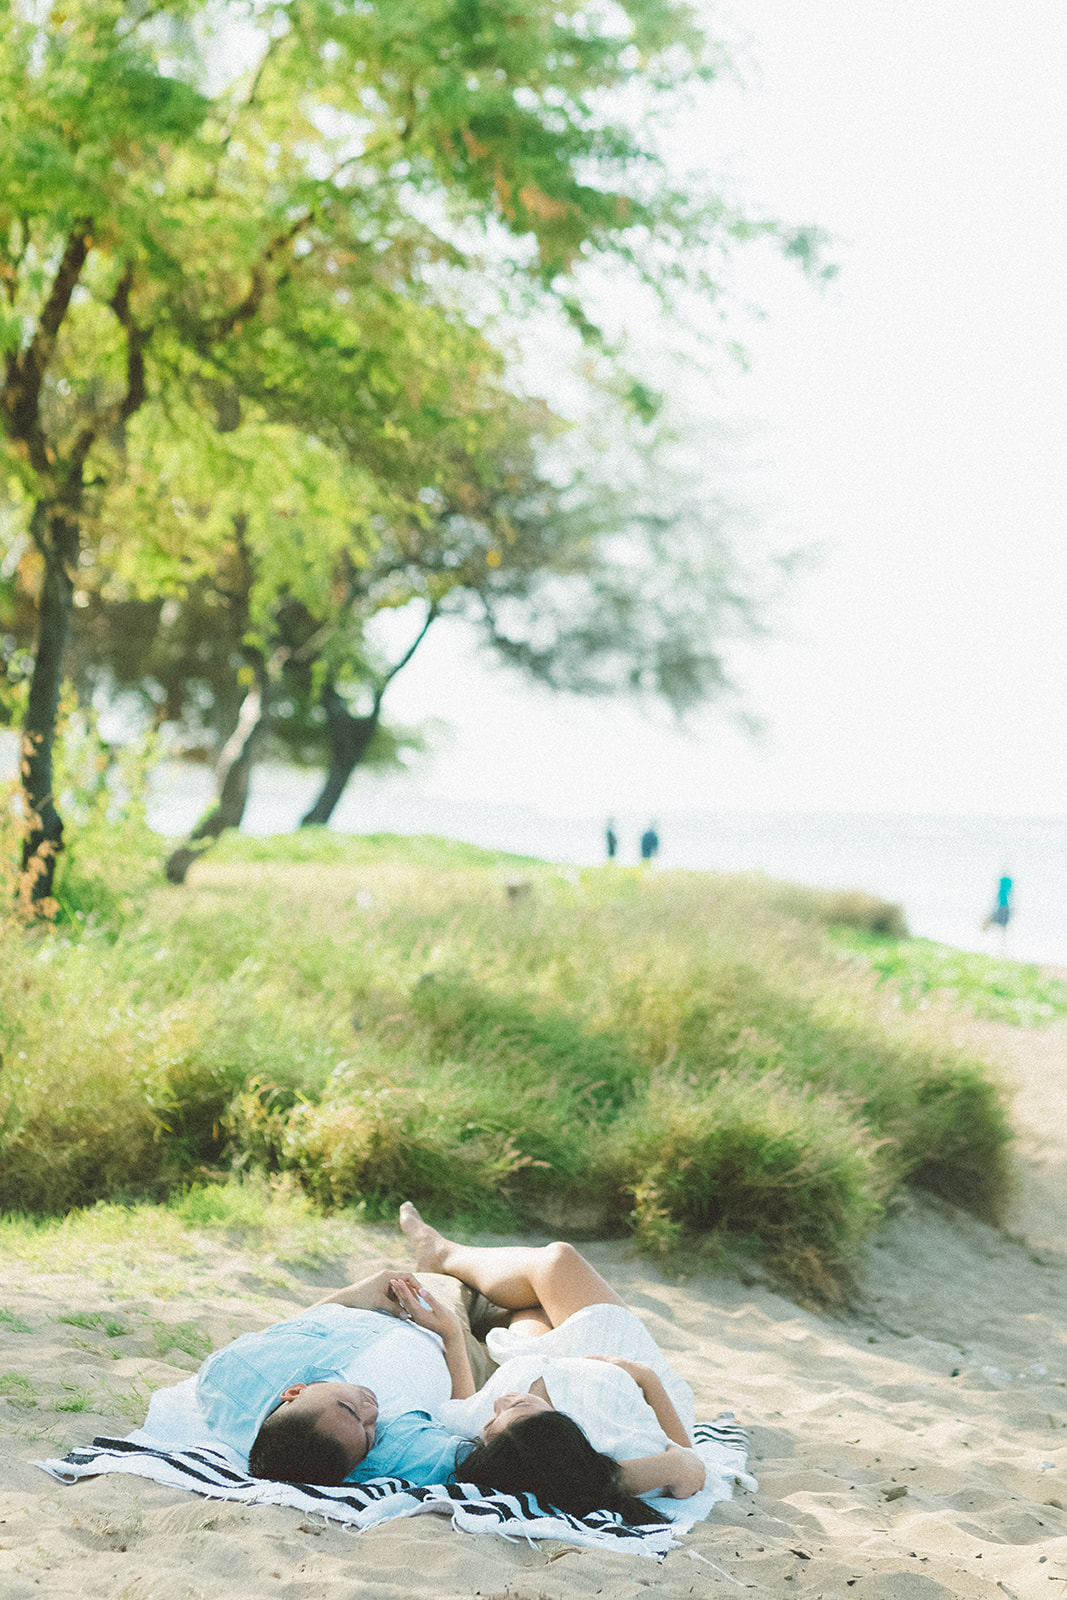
{"type": "Point", "coordinates": [525, 1278]}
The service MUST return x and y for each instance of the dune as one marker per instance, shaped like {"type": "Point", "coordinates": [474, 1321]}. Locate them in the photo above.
{"type": "Point", "coordinates": [909, 1447]}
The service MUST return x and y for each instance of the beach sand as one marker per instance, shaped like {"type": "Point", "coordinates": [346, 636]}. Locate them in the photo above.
{"type": "Point", "coordinates": [914, 1446]}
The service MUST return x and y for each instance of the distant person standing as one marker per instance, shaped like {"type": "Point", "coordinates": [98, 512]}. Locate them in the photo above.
{"type": "Point", "coordinates": [611, 839]}
{"type": "Point", "coordinates": [649, 842]}
{"type": "Point", "coordinates": [1000, 915]}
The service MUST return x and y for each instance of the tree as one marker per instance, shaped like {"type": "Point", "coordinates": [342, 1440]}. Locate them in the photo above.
{"type": "Point", "coordinates": [155, 232]}
{"type": "Point", "coordinates": [624, 585]}
{"type": "Point", "coordinates": [624, 581]}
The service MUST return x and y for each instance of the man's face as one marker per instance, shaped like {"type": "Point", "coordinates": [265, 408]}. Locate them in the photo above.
{"type": "Point", "coordinates": [346, 1412]}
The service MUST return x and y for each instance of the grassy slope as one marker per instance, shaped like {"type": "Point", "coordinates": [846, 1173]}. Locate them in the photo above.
{"type": "Point", "coordinates": [661, 1052]}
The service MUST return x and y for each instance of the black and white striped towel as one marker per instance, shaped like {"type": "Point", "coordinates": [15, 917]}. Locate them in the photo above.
{"type": "Point", "coordinates": [722, 1444]}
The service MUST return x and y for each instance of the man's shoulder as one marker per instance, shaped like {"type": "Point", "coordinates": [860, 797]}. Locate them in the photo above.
{"type": "Point", "coordinates": [330, 1316]}
{"type": "Point", "coordinates": [323, 1322]}
{"type": "Point", "coordinates": [309, 1331]}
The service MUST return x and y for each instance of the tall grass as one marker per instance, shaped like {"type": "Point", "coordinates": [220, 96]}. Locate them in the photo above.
{"type": "Point", "coordinates": [658, 1052]}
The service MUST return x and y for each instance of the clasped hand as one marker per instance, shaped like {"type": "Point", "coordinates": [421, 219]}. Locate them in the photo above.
{"type": "Point", "coordinates": [407, 1296]}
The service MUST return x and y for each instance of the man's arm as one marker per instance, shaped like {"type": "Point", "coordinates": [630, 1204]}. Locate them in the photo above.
{"type": "Point", "coordinates": [652, 1388]}
{"type": "Point", "coordinates": [674, 1471]}
{"type": "Point", "coordinates": [371, 1294]}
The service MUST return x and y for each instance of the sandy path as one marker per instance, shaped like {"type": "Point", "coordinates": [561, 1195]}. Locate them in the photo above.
{"type": "Point", "coordinates": [916, 1447]}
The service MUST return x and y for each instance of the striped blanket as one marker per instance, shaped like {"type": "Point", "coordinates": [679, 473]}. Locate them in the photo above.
{"type": "Point", "coordinates": [208, 1471]}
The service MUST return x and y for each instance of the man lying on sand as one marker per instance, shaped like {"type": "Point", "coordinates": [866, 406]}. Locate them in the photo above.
{"type": "Point", "coordinates": [344, 1392]}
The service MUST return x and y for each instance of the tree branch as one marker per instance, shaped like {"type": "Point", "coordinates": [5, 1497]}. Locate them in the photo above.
{"type": "Point", "coordinates": [10, 263]}
{"type": "Point", "coordinates": [136, 339]}
{"type": "Point", "coordinates": [121, 411]}
{"type": "Point", "coordinates": [20, 397]}
{"type": "Point", "coordinates": [250, 97]}
{"type": "Point", "coordinates": [220, 327]}
{"type": "Point", "coordinates": [431, 616]}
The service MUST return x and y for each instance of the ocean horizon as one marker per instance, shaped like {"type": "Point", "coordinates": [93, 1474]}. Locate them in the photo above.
{"type": "Point", "coordinates": [942, 870]}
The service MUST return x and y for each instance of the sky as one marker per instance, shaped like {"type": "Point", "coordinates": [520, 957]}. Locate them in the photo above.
{"type": "Point", "coordinates": [909, 421]}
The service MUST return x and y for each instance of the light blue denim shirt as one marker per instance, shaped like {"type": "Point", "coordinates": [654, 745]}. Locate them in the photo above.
{"type": "Point", "coordinates": [238, 1385]}
{"type": "Point", "coordinates": [412, 1446]}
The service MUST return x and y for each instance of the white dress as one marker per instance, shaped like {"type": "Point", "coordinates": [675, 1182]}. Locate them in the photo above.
{"type": "Point", "coordinates": [605, 1401]}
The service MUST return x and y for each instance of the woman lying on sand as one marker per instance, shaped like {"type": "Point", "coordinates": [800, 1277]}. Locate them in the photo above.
{"type": "Point", "coordinates": [584, 1411]}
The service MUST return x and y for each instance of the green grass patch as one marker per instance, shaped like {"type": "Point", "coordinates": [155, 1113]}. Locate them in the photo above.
{"type": "Point", "coordinates": [18, 1389]}
{"type": "Point", "coordinates": [74, 1399]}
{"type": "Point", "coordinates": [187, 1337]}
{"type": "Point", "coordinates": [370, 1019]}
{"type": "Point", "coordinates": [323, 847]}
{"type": "Point", "coordinates": [114, 1327]}
{"type": "Point", "coordinates": [921, 970]}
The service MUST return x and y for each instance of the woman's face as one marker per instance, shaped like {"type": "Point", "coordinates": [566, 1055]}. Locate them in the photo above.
{"type": "Point", "coordinates": [508, 1408]}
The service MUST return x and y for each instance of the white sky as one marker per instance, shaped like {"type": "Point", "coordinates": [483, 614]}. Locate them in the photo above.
{"type": "Point", "coordinates": [912, 420]}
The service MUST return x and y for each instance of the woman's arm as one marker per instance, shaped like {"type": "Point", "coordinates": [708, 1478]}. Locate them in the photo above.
{"type": "Point", "coordinates": [442, 1321]}
{"type": "Point", "coordinates": [675, 1471]}
{"type": "Point", "coordinates": [459, 1364]}
{"type": "Point", "coordinates": [652, 1388]}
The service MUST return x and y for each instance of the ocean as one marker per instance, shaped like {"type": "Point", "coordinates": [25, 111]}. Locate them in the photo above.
{"type": "Point", "coordinates": [943, 870]}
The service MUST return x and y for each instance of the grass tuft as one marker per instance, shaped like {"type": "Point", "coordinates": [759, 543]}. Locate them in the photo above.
{"type": "Point", "coordinates": [114, 1327]}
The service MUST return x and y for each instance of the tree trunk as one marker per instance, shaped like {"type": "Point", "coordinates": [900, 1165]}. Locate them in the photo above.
{"type": "Point", "coordinates": [56, 535]}
{"type": "Point", "coordinates": [232, 774]}
{"type": "Point", "coordinates": [349, 737]}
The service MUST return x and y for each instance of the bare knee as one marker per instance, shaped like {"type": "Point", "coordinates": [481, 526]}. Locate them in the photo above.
{"type": "Point", "coordinates": [565, 1262]}
{"type": "Point", "coordinates": [566, 1282]}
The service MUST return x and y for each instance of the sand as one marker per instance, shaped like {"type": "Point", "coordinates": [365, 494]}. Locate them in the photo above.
{"type": "Point", "coordinates": [913, 1447]}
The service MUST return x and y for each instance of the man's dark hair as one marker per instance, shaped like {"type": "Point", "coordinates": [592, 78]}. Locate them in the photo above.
{"type": "Point", "coordinates": [549, 1456]}
{"type": "Point", "coordinates": [290, 1449]}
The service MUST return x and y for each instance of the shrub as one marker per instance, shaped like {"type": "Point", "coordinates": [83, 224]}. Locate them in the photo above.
{"type": "Point", "coordinates": [753, 1156]}
{"type": "Point", "coordinates": [852, 909]}
{"type": "Point", "coordinates": [665, 1052]}
{"type": "Point", "coordinates": [388, 1143]}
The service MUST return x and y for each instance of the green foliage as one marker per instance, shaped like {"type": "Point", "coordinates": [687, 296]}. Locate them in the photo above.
{"type": "Point", "coordinates": [246, 1207]}
{"type": "Point", "coordinates": [665, 1053]}
{"type": "Point", "coordinates": [376, 1144]}
{"type": "Point", "coordinates": [248, 315]}
{"type": "Point", "coordinates": [275, 1219]}
{"type": "Point", "coordinates": [111, 858]}
{"type": "Point", "coordinates": [188, 1337]}
{"type": "Point", "coordinates": [74, 1399]}
{"type": "Point", "coordinates": [920, 971]}
{"type": "Point", "coordinates": [108, 864]}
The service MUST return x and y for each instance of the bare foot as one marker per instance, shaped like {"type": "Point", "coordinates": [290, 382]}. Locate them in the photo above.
{"type": "Point", "coordinates": [428, 1244]}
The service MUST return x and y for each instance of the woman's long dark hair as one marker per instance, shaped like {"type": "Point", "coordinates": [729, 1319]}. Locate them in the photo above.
{"type": "Point", "coordinates": [549, 1456]}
